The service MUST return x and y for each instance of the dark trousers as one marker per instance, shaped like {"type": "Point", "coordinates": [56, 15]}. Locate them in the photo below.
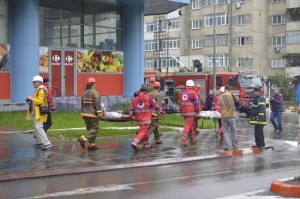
{"type": "Point", "coordinates": [92, 126]}
{"type": "Point", "coordinates": [259, 135]}
{"type": "Point", "coordinates": [48, 123]}
{"type": "Point", "coordinates": [153, 127]}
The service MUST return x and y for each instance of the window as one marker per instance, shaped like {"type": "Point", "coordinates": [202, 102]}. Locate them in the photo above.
{"type": "Point", "coordinates": [276, 1]}
{"type": "Point", "coordinates": [240, 19]}
{"type": "Point", "coordinates": [278, 19]}
{"type": "Point", "coordinates": [196, 24]}
{"type": "Point", "coordinates": [241, 41]}
{"type": "Point", "coordinates": [173, 24]}
{"type": "Point", "coordinates": [278, 41]}
{"type": "Point", "coordinates": [196, 4]}
{"type": "Point", "coordinates": [219, 81]}
{"type": "Point", "coordinates": [278, 63]}
{"type": "Point", "coordinates": [173, 44]}
{"type": "Point", "coordinates": [240, 62]}
{"type": "Point", "coordinates": [221, 19]}
{"type": "Point", "coordinates": [196, 44]}
{"type": "Point", "coordinates": [151, 45]}
{"type": "Point", "coordinates": [221, 40]}
{"type": "Point", "coordinates": [152, 27]}
{"type": "Point", "coordinates": [221, 60]}
{"type": "Point", "coordinates": [149, 63]}
{"type": "Point", "coordinates": [222, 2]}
{"type": "Point", "coordinates": [293, 37]}
{"type": "Point", "coordinates": [241, 1]}
{"type": "Point", "coordinates": [171, 62]}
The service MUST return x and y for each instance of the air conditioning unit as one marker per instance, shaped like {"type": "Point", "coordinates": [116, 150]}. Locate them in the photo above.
{"type": "Point", "coordinates": [276, 49]}
{"type": "Point", "coordinates": [238, 5]}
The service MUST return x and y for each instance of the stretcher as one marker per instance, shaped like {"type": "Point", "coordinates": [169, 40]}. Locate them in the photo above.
{"type": "Point", "coordinates": [114, 119]}
{"type": "Point", "coordinates": [211, 115]}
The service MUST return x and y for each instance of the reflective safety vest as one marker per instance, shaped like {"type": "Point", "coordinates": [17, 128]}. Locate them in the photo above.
{"type": "Point", "coordinates": [258, 111]}
{"type": "Point", "coordinates": [91, 104]}
{"type": "Point", "coordinates": [188, 102]}
{"type": "Point", "coordinates": [142, 106]}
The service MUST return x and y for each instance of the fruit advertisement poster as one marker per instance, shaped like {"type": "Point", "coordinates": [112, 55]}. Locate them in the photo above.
{"type": "Point", "coordinates": [97, 61]}
{"type": "Point", "coordinates": [43, 62]}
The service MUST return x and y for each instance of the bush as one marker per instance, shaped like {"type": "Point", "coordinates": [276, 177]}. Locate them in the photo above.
{"type": "Point", "coordinates": [283, 82]}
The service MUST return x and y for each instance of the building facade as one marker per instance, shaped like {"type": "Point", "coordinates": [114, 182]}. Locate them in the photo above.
{"type": "Point", "coordinates": [250, 35]}
{"type": "Point", "coordinates": [71, 40]}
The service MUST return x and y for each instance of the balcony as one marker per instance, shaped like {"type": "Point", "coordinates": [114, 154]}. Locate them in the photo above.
{"type": "Point", "coordinates": [293, 25]}
{"type": "Point", "coordinates": [292, 4]}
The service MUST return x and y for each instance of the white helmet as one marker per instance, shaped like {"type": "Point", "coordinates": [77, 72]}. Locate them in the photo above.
{"type": "Point", "coordinates": [222, 89]}
{"type": "Point", "coordinates": [37, 79]}
{"type": "Point", "coordinates": [190, 83]}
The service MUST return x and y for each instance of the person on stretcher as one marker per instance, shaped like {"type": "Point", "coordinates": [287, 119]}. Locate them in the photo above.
{"type": "Point", "coordinates": [114, 114]}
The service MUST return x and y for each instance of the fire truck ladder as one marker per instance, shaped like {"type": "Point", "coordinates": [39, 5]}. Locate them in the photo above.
{"type": "Point", "coordinates": [160, 36]}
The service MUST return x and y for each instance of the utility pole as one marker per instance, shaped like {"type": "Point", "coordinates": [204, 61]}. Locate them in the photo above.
{"type": "Point", "coordinates": [230, 37]}
{"type": "Point", "coordinates": [168, 60]}
{"type": "Point", "coordinates": [214, 50]}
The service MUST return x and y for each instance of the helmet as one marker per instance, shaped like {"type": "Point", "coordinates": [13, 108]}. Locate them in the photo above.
{"type": "Point", "coordinates": [190, 83]}
{"type": "Point", "coordinates": [152, 79]}
{"type": "Point", "coordinates": [37, 79]}
{"type": "Point", "coordinates": [222, 89]}
{"type": "Point", "coordinates": [156, 85]}
{"type": "Point", "coordinates": [91, 80]}
{"type": "Point", "coordinates": [198, 86]}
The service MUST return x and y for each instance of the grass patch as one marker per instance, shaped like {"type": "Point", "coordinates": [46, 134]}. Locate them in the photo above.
{"type": "Point", "coordinates": [62, 120]}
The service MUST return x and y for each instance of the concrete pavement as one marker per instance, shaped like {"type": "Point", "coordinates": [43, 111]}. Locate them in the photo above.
{"type": "Point", "coordinates": [18, 159]}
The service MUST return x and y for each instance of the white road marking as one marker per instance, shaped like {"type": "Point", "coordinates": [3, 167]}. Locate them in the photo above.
{"type": "Point", "coordinates": [112, 188]}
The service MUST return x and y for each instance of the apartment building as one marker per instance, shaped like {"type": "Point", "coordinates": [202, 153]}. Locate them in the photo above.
{"type": "Point", "coordinates": [250, 35]}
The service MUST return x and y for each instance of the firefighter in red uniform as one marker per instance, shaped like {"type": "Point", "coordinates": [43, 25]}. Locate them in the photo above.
{"type": "Point", "coordinates": [189, 106]}
{"type": "Point", "coordinates": [142, 106]}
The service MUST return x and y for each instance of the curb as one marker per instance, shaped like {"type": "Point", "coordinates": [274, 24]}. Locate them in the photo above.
{"type": "Point", "coordinates": [242, 152]}
{"type": "Point", "coordinates": [285, 189]}
{"type": "Point", "coordinates": [80, 170]}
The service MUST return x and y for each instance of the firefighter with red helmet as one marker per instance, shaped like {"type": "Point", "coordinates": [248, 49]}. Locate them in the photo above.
{"type": "Point", "coordinates": [153, 127]}
{"type": "Point", "coordinates": [141, 107]}
{"type": "Point", "coordinates": [189, 106]}
{"type": "Point", "coordinates": [91, 111]}
{"type": "Point", "coordinates": [149, 86]}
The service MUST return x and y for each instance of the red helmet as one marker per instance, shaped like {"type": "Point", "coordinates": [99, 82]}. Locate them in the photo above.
{"type": "Point", "coordinates": [91, 80]}
{"type": "Point", "coordinates": [152, 79]}
{"type": "Point", "coordinates": [156, 85]}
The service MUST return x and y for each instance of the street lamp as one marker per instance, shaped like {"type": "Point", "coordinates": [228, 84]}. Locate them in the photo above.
{"type": "Point", "coordinates": [214, 51]}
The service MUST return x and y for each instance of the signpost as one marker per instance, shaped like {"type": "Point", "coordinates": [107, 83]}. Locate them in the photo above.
{"type": "Point", "coordinates": [298, 99]}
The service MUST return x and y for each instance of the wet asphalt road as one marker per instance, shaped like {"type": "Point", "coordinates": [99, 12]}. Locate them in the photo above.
{"type": "Point", "coordinates": [204, 179]}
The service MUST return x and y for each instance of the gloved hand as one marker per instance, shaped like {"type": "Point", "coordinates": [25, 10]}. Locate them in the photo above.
{"type": "Point", "coordinates": [130, 118]}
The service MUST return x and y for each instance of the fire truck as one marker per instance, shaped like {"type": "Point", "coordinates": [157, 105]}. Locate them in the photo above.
{"type": "Point", "coordinates": [243, 84]}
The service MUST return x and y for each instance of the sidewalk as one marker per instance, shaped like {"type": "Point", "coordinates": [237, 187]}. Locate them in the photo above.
{"type": "Point", "coordinates": [19, 159]}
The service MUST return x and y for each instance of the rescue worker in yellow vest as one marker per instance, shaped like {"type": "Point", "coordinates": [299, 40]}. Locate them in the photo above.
{"type": "Point", "coordinates": [91, 111]}
{"type": "Point", "coordinates": [258, 118]}
{"type": "Point", "coordinates": [149, 86]}
{"type": "Point", "coordinates": [153, 127]}
{"type": "Point", "coordinates": [39, 99]}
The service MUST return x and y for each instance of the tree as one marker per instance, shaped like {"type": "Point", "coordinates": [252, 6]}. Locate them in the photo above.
{"type": "Point", "coordinates": [284, 83]}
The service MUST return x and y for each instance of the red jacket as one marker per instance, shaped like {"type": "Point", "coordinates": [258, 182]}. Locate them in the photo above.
{"type": "Point", "coordinates": [215, 105]}
{"type": "Point", "coordinates": [188, 102]}
{"type": "Point", "coordinates": [141, 106]}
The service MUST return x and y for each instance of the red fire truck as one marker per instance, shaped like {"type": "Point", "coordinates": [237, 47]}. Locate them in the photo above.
{"type": "Point", "coordinates": [243, 83]}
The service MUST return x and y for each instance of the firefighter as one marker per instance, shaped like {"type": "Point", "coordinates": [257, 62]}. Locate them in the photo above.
{"type": "Point", "coordinates": [200, 97]}
{"type": "Point", "coordinates": [258, 117]}
{"type": "Point", "coordinates": [189, 106]}
{"type": "Point", "coordinates": [141, 106]}
{"type": "Point", "coordinates": [153, 127]}
{"type": "Point", "coordinates": [91, 111]}
{"type": "Point", "coordinates": [149, 86]}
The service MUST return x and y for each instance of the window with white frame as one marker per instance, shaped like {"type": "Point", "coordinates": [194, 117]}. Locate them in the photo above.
{"type": "Point", "coordinates": [151, 27]}
{"type": "Point", "coordinates": [149, 63]}
{"type": "Point", "coordinates": [241, 41]}
{"type": "Point", "coordinates": [221, 60]}
{"type": "Point", "coordinates": [221, 19]}
{"type": "Point", "coordinates": [293, 37]}
{"type": "Point", "coordinates": [278, 19]}
{"type": "Point", "coordinates": [196, 24]}
{"type": "Point", "coordinates": [222, 2]}
{"type": "Point", "coordinates": [277, 1]}
{"type": "Point", "coordinates": [278, 63]}
{"type": "Point", "coordinates": [196, 44]}
{"type": "Point", "coordinates": [172, 23]}
{"type": "Point", "coordinates": [196, 4]}
{"type": "Point", "coordinates": [240, 19]}
{"type": "Point", "coordinates": [221, 40]}
{"type": "Point", "coordinates": [240, 62]}
{"type": "Point", "coordinates": [241, 1]}
{"type": "Point", "coordinates": [278, 41]}
{"type": "Point", "coordinates": [170, 62]}
{"type": "Point", "coordinates": [151, 45]}
{"type": "Point", "coordinates": [173, 43]}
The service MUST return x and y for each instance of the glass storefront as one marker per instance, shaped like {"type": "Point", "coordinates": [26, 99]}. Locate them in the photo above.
{"type": "Point", "coordinates": [4, 36]}
{"type": "Point", "coordinates": [81, 25]}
